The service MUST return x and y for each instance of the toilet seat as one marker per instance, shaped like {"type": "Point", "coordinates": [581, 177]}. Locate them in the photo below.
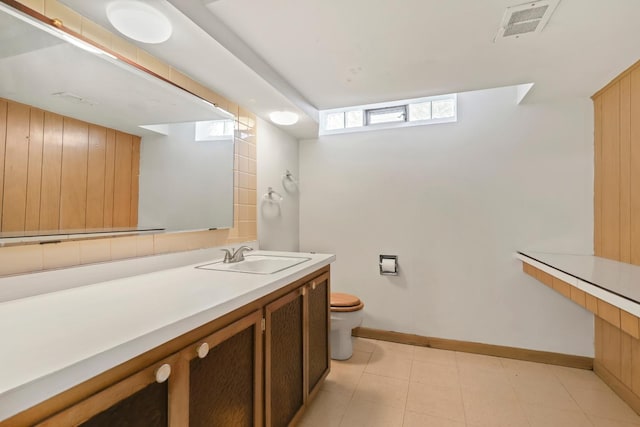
{"type": "Point", "coordinates": [342, 303]}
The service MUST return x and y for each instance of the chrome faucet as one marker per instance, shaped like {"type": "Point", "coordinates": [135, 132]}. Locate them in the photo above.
{"type": "Point", "coordinates": [237, 256]}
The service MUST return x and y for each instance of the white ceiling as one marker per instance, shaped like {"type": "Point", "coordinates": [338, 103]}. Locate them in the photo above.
{"type": "Point", "coordinates": [289, 53]}
{"type": "Point", "coordinates": [340, 53]}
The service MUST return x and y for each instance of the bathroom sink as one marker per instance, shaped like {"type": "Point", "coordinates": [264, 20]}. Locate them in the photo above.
{"type": "Point", "coordinates": [257, 264]}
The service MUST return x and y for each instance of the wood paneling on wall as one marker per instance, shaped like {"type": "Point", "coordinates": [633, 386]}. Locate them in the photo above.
{"type": "Point", "coordinates": [96, 176]}
{"type": "Point", "coordinates": [34, 176]}
{"type": "Point", "coordinates": [3, 139]}
{"type": "Point", "coordinates": [617, 224]}
{"type": "Point", "coordinates": [55, 172]}
{"type": "Point", "coordinates": [16, 162]}
{"type": "Point", "coordinates": [617, 168]}
{"type": "Point", "coordinates": [51, 171]}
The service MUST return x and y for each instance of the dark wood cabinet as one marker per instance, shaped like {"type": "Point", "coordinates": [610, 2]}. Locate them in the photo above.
{"type": "Point", "coordinates": [296, 350]}
{"type": "Point", "coordinates": [258, 368]}
{"type": "Point", "coordinates": [145, 408]}
{"type": "Point", "coordinates": [284, 358]}
{"type": "Point", "coordinates": [318, 302]}
{"type": "Point", "coordinates": [141, 400]}
{"type": "Point", "coordinates": [225, 376]}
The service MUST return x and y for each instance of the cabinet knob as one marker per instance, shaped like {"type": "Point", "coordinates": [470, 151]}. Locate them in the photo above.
{"type": "Point", "coordinates": [313, 285]}
{"type": "Point", "coordinates": [203, 350]}
{"type": "Point", "coordinates": [163, 372]}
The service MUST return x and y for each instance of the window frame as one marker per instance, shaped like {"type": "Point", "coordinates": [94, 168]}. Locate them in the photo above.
{"type": "Point", "coordinates": [388, 106]}
{"type": "Point", "coordinates": [402, 109]}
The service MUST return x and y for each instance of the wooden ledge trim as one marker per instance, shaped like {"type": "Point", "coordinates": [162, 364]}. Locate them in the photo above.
{"type": "Point", "coordinates": [560, 359]}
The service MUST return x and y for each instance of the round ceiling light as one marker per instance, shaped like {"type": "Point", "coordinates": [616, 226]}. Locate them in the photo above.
{"type": "Point", "coordinates": [139, 21]}
{"type": "Point", "coordinates": [284, 118]}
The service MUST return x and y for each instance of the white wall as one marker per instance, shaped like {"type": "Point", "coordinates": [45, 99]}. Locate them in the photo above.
{"type": "Point", "coordinates": [278, 223]}
{"type": "Point", "coordinates": [184, 184]}
{"type": "Point", "coordinates": [454, 202]}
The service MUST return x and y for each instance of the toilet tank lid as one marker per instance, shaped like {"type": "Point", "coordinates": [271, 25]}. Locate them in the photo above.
{"type": "Point", "coordinates": [344, 300]}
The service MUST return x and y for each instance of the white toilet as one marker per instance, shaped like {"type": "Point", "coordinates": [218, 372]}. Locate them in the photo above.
{"type": "Point", "coordinates": [346, 314]}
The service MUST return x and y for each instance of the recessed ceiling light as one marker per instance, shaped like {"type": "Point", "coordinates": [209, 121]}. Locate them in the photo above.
{"type": "Point", "coordinates": [284, 118]}
{"type": "Point", "coordinates": [139, 21]}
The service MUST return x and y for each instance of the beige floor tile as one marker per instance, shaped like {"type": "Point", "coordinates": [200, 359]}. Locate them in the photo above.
{"type": "Point", "coordinates": [414, 419]}
{"type": "Point", "coordinates": [493, 383]}
{"type": "Point", "coordinates": [478, 361]}
{"type": "Point", "coordinates": [389, 364]}
{"type": "Point", "coordinates": [433, 355]}
{"type": "Point", "coordinates": [307, 423]}
{"type": "Point", "coordinates": [550, 393]}
{"type": "Point", "coordinates": [382, 390]}
{"type": "Point", "coordinates": [361, 413]}
{"type": "Point", "coordinates": [435, 374]}
{"type": "Point", "coordinates": [443, 402]}
{"type": "Point", "coordinates": [604, 404]}
{"type": "Point", "coordinates": [518, 369]}
{"type": "Point", "coordinates": [345, 374]}
{"type": "Point", "coordinates": [392, 348]}
{"type": "Point", "coordinates": [578, 379]}
{"type": "Point", "coordinates": [605, 422]}
{"type": "Point", "coordinates": [543, 416]}
{"type": "Point", "coordinates": [471, 393]}
{"type": "Point", "coordinates": [358, 359]}
{"type": "Point", "coordinates": [343, 378]}
{"type": "Point", "coordinates": [484, 411]}
{"type": "Point", "coordinates": [327, 410]}
{"type": "Point", "coordinates": [364, 344]}
{"type": "Point", "coordinates": [387, 384]}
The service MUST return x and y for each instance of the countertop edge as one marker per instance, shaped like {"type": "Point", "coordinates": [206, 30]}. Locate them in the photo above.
{"type": "Point", "coordinates": [583, 284]}
{"type": "Point", "coordinates": [27, 395]}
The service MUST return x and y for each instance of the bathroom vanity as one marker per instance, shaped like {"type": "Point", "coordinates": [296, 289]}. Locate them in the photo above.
{"type": "Point", "coordinates": [178, 347]}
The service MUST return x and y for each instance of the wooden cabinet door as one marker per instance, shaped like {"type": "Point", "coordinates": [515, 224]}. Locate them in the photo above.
{"type": "Point", "coordinates": [224, 381]}
{"type": "Point", "coordinates": [318, 306]}
{"type": "Point", "coordinates": [284, 359]}
{"type": "Point", "coordinates": [140, 400]}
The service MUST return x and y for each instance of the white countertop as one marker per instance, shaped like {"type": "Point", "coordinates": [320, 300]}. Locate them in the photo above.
{"type": "Point", "coordinates": [54, 341]}
{"type": "Point", "coordinates": [617, 283]}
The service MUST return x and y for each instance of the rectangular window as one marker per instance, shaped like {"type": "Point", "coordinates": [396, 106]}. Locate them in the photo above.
{"type": "Point", "coordinates": [411, 112]}
{"type": "Point", "coordinates": [387, 115]}
{"type": "Point", "coordinates": [419, 111]}
{"type": "Point", "coordinates": [214, 130]}
{"type": "Point", "coordinates": [335, 121]}
{"type": "Point", "coordinates": [354, 118]}
{"type": "Point", "coordinates": [444, 108]}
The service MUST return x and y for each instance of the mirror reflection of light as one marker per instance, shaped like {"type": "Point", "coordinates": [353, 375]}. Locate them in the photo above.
{"type": "Point", "coordinates": [86, 46]}
{"type": "Point", "coordinates": [213, 130]}
{"type": "Point", "coordinates": [54, 31]}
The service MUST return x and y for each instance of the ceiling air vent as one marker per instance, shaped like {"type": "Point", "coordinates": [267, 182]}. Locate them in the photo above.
{"type": "Point", "coordinates": [526, 18]}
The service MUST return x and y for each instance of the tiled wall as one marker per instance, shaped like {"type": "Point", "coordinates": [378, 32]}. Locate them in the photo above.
{"type": "Point", "coordinates": [28, 258]}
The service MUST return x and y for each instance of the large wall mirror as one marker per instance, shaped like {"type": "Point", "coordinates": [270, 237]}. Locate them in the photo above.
{"type": "Point", "coordinates": [92, 144]}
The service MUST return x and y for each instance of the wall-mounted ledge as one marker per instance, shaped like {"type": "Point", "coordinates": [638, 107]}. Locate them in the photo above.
{"type": "Point", "coordinates": [55, 236]}
{"type": "Point", "coordinates": [610, 290]}
{"type": "Point", "coordinates": [611, 281]}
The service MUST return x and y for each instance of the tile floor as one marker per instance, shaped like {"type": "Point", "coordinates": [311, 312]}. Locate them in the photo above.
{"type": "Point", "coordinates": [387, 384]}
